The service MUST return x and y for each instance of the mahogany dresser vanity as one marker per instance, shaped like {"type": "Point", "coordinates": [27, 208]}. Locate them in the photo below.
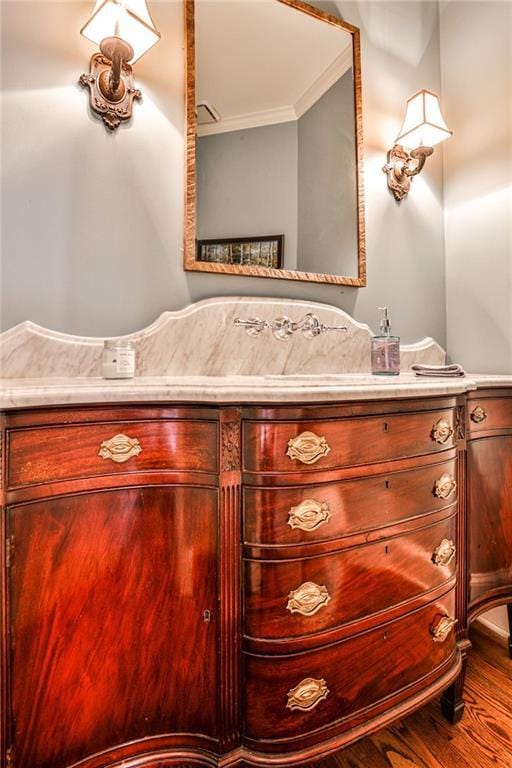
{"type": "Point", "coordinates": [243, 584]}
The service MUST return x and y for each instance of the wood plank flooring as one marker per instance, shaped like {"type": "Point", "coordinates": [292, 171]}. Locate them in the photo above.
{"type": "Point", "coordinates": [483, 738]}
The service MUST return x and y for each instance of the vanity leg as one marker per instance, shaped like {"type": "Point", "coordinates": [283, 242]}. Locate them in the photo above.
{"type": "Point", "coordinates": [452, 702]}
{"type": "Point", "coordinates": [509, 611]}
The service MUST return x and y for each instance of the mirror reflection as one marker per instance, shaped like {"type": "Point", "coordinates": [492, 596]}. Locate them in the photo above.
{"type": "Point", "coordinates": [276, 147]}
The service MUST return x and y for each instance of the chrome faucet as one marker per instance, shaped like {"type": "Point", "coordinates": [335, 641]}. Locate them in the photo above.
{"type": "Point", "coordinates": [283, 327]}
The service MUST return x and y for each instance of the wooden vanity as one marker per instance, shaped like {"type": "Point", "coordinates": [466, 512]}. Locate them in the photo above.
{"type": "Point", "coordinates": [244, 585]}
{"type": "Point", "coordinates": [252, 564]}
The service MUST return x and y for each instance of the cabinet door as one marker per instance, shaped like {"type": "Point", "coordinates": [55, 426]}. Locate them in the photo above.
{"type": "Point", "coordinates": [490, 515]}
{"type": "Point", "coordinates": [109, 642]}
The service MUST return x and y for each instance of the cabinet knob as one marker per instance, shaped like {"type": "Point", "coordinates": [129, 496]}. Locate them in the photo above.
{"type": "Point", "coordinates": [445, 486]}
{"type": "Point", "coordinates": [478, 414]}
{"type": "Point", "coordinates": [119, 448]}
{"type": "Point", "coordinates": [309, 515]}
{"type": "Point", "coordinates": [307, 694]}
{"type": "Point", "coordinates": [442, 629]}
{"type": "Point", "coordinates": [307, 599]}
{"type": "Point", "coordinates": [441, 431]}
{"type": "Point", "coordinates": [444, 553]}
{"type": "Point", "coordinates": [307, 447]}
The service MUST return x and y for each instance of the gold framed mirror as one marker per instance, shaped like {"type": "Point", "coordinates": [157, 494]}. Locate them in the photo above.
{"type": "Point", "coordinates": [274, 172]}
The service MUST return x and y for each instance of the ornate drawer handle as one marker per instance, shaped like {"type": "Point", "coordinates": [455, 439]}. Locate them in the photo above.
{"type": "Point", "coordinates": [307, 447]}
{"type": "Point", "coordinates": [441, 431]}
{"type": "Point", "coordinates": [308, 515]}
{"type": "Point", "coordinates": [119, 448]}
{"type": "Point", "coordinates": [445, 553]}
{"type": "Point", "coordinates": [307, 694]}
{"type": "Point", "coordinates": [307, 599]}
{"type": "Point", "coordinates": [478, 414]}
{"type": "Point", "coordinates": [445, 486]}
{"type": "Point", "coordinates": [442, 629]}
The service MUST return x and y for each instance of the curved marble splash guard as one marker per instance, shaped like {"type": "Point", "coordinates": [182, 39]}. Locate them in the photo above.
{"type": "Point", "coordinates": [202, 340]}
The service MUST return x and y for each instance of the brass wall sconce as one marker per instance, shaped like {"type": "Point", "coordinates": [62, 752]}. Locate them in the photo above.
{"type": "Point", "coordinates": [124, 31]}
{"type": "Point", "coordinates": [422, 129]}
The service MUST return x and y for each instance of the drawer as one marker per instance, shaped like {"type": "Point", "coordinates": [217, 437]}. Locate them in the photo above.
{"type": "Point", "coordinates": [329, 444]}
{"type": "Point", "coordinates": [293, 695]}
{"type": "Point", "coordinates": [490, 413]}
{"type": "Point", "coordinates": [288, 516]}
{"type": "Point", "coordinates": [292, 598]}
{"type": "Point", "coordinates": [49, 454]}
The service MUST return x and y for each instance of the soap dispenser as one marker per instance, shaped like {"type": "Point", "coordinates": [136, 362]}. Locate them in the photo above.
{"type": "Point", "coordinates": [385, 349]}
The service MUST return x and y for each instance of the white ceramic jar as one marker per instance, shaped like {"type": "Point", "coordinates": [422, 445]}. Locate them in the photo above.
{"type": "Point", "coordinates": [118, 359]}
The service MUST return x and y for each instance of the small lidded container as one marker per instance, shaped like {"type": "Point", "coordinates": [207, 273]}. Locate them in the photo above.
{"type": "Point", "coordinates": [118, 359]}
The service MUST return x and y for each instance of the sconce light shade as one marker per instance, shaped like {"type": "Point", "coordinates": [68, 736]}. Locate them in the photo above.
{"type": "Point", "coordinates": [422, 129]}
{"type": "Point", "coordinates": [128, 19]}
{"type": "Point", "coordinates": [423, 125]}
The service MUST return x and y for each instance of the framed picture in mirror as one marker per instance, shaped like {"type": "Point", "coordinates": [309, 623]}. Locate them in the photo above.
{"type": "Point", "coordinates": [273, 142]}
{"type": "Point", "coordinates": [264, 251]}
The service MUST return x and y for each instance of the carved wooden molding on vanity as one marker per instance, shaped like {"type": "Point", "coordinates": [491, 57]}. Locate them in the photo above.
{"type": "Point", "coordinates": [230, 454]}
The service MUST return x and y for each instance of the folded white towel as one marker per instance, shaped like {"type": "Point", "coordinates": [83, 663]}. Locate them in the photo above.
{"type": "Point", "coordinates": [446, 371]}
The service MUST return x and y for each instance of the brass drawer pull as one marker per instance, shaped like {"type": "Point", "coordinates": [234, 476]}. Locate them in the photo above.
{"type": "Point", "coordinates": [307, 694]}
{"type": "Point", "coordinates": [441, 431]}
{"type": "Point", "coordinates": [442, 629]}
{"type": "Point", "coordinates": [307, 599]}
{"type": "Point", "coordinates": [307, 447]}
{"type": "Point", "coordinates": [478, 414]}
{"type": "Point", "coordinates": [445, 486]}
{"type": "Point", "coordinates": [308, 515]}
{"type": "Point", "coordinates": [445, 553]}
{"type": "Point", "coordinates": [119, 448]}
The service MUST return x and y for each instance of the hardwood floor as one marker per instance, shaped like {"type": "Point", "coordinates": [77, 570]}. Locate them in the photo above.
{"type": "Point", "coordinates": [483, 738]}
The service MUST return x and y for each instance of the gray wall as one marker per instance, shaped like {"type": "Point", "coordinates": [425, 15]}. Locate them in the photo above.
{"type": "Point", "coordinates": [327, 200]}
{"type": "Point", "coordinates": [477, 98]}
{"type": "Point", "coordinates": [247, 185]}
{"type": "Point", "coordinates": [93, 223]}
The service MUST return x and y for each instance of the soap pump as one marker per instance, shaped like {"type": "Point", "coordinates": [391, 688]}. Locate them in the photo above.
{"type": "Point", "coordinates": [385, 349]}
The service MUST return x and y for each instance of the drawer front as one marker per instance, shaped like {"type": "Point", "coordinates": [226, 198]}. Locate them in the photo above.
{"type": "Point", "coordinates": [490, 413]}
{"type": "Point", "coordinates": [287, 516]}
{"type": "Point", "coordinates": [300, 597]}
{"type": "Point", "coordinates": [49, 454]}
{"type": "Point", "coordinates": [303, 446]}
{"type": "Point", "coordinates": [292, 695]}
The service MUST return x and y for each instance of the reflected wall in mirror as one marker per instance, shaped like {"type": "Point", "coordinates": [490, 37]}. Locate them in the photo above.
{"type": "Point", "coordinates": [274, 141]}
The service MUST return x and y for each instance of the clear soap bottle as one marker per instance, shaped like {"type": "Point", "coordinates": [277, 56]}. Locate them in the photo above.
{"type": "Point", "coordinates": [385, 349]}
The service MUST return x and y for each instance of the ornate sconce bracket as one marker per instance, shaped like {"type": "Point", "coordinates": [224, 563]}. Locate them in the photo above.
{"type": "Point", "coordinates": [402, 166]}
{"type": "Point", "coordinates": [113, 106]}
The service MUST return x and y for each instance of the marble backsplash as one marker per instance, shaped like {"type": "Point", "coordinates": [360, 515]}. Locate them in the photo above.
{"type": "Point", "coordinates": [202, 340]}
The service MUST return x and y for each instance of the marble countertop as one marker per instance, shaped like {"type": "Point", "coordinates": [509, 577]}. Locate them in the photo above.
{"type": "Point", "coordinates": [33, 392]}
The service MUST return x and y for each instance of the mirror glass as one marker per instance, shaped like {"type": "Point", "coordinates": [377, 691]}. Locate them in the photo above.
{"type": "Point", "coordinates": [274, 126]}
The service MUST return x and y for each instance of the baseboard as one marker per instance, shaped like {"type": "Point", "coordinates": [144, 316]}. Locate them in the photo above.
{"type": "Point", "coordinates": [486, 627]}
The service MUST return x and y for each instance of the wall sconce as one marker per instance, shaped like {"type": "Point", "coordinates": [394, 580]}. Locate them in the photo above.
{"type": "Point", "coordinates": [422, 129]}
{"type": "Point", "coordinates": [124, 31]}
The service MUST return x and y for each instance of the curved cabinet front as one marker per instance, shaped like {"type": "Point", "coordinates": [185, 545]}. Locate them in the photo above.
{"type": "Point", "coordinates": [357, 674]}
{"type": "Point", "coordinates": [490, 515]}
{"type": "Point", "coordinates": [106, 588]}
{"type": "Point", "coordinates": [293, 598]}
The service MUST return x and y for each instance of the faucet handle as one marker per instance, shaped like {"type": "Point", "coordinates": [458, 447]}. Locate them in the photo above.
{"type": "Point", "coordinates": [253, 325]}
{"type": "Point", "coordinates": [311, 326]}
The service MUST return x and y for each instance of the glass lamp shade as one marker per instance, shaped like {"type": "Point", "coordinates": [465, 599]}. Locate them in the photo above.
{"type": "Point", "coordinates": [128, 19]}
{"type": "Point", "coordinates": [423, 125]}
